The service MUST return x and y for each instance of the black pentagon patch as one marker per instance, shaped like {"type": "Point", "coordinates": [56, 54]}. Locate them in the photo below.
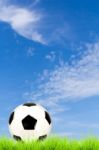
{"type": "Point", "coordinates": [29, 104]}
{"type": "Point", "coordinates": [47, 117]}
{"type": "Point", "coordinates": [42, 137]}
{"type": "Point", "coordinates": [18, 138]}
{"type": "Point", "coordinates": [29, 123]}
{"type": "Point", "coordinates": [11, 117]}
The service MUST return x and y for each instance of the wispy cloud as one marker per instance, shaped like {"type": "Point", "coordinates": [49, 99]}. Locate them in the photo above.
{"type": "Point", "coordinates": [81, 126]}
{"type": "Point", "coordinates": [30, 51]}
{"type": "Point", "coordinates": [71, 82]}
{"type": "Point", "coordinates": [51, 56]}
{"type": "Point", "coordinates": [76, 124]}
{"type": "Point", "coordinates": [23, 20]}
{"type": "Point", "coordinates": [69, 134]}
{"type": "Point", "coordinates": [63, 34]}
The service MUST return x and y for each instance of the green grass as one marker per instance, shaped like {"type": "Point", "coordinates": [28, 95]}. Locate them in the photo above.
{"type": "Point", "coordinates": [53, 143]}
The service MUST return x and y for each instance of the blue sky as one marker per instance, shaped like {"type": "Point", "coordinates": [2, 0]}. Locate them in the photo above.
{"type": "Point", "coordinates": [49, 54]}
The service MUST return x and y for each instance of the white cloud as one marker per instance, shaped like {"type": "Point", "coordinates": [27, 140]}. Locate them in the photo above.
{"type": "Point", "coordinates": [24, 21]}
{"type": "Point", "coordinates": [30, 51]}
{"type": "Point", "coordinates": [76, 124]}
{"type": "Point", "coordinates": [71, 82]}
{"type": "Point", "coordinates": [68, 134]}
{"type": "Point", "coordinates": [63, 34]}
{"type": "Point", "coordinates": [35, 2]}
{"type": "Point", "coordinates": [51, 56]}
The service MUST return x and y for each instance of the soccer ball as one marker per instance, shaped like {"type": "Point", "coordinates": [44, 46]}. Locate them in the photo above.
{"type": "Point", "coordinates": [30, 122]}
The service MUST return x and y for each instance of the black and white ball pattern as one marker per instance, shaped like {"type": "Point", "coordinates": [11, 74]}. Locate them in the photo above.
{"type": "Point", "coordinates": [29, 122]}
